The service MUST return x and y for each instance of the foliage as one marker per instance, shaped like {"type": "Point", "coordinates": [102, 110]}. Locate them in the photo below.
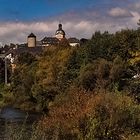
{"type": "Point", "coordinates": [114, 117]}
{"type": "Point", "coordinates": [104, 62]}
{"type": "Point", "coordinates": [22, 79]}
{"type": "Point", "coordinates": [88, 116]}
{"type": "Point", "coordinates": [25, 58]}
{"type": "Point", "coordinates": [88, 92]}
{"type": "Point", "coordinates": [2, 71]}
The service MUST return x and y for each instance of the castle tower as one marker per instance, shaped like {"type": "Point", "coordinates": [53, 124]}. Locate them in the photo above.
{"type": "Point", "coordinates": [31, 40]}
{"type": "Point", "coordinates": [60, 33]}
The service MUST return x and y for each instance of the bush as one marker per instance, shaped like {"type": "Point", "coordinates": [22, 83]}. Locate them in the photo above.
{"type": "Point", "coordinates": [86, 116]}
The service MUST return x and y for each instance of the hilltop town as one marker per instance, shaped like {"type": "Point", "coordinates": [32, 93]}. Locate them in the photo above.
{"type": "Point", "coordinates": [87, 90]}
{"type": "Point", "coordinates": [35, 47]}
{"type": "Point", "coordinates": [79, 80]}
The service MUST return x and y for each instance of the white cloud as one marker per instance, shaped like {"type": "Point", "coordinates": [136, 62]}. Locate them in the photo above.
{"type": "Point", "coordinates": [119, 12]}
{"type": "Point", "coordinates": [18, 32]}
{"type": "Point", "coordinates": [76, 24]}
{"type": "Point", "coordinates": [136, 5]}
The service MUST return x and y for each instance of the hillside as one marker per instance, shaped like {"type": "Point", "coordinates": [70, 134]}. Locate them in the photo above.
{"type": "Point", "coordinates": [88, 92]}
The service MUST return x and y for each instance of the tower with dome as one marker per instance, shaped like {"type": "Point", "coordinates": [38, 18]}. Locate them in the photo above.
{"type": "Point", "coordinates": [60, 33]}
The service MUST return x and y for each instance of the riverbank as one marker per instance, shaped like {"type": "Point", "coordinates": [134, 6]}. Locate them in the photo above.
{"type": "Point", "coordinates": [17, 123]}
{"type": "Point", "coordinates": [23, 103]}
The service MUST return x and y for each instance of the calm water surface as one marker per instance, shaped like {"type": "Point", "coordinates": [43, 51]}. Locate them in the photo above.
{"type": "Point", "coordinates": [9, 117]}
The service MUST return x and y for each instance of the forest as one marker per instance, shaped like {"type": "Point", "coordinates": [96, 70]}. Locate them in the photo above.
{"type": "Point", "coordinates": [91, 92]}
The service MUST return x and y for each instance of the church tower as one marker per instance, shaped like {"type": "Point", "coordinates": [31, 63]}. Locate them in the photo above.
{"type": "Point", "coordinates": [60, 33]}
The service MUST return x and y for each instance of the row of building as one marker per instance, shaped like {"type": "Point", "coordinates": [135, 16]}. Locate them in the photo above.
{"type": "Point", "coordinates": [49, 41]}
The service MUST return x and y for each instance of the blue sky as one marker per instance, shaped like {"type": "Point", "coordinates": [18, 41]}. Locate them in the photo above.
{"type": "Point", "coordinates": [38, 9]}
{"type": "Point", "coordinates": [80, 18]}
{"type": "Point", "coordinates": [27, 10]}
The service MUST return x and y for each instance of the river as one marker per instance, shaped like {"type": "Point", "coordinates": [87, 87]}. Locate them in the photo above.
{"type": "Point", "coordinates": [11, 117]}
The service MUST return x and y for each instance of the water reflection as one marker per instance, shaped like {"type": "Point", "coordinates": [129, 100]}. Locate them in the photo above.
{"type": "Point", "coordinates": [10, 117]}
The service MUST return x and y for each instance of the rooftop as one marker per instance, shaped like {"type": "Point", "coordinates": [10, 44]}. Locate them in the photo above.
{"type": "Point", "coordinates": [31, 35]}
{"type": "Point", "coordinates": [73, 40]}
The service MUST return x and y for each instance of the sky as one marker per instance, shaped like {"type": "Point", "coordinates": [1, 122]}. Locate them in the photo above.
{"type": "Point", "coordinates": [80, 18]}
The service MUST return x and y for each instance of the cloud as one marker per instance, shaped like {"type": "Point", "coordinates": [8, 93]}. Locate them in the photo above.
{"type": "Point", "coordinates": [18, 32]}
{"type": "Point", "coordinates": [136, 5]}
{"type": "Point", "coordinates": [119, 12]}
{"type": "Point", "coordinates": [76, 23]}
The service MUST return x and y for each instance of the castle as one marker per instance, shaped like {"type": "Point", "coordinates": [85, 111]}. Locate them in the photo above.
{"type": "Point", "coordinates": [50, 41]}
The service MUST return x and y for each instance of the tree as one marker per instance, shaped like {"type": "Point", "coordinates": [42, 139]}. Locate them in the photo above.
{"type": "Point", "coordinates": [26, 58]}
{"type": "Point", "coordinates": [2, 66]}
{"type": "Point", "coordinates": [64, 43]}
{"type": "Point", "coordinates": [138, 23]}
{"type": "Point", "coordinates": [114, 117]}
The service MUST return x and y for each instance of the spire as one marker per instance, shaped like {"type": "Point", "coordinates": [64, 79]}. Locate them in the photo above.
{"type": "Point", "coordinates": [60, 26]}
{"type": "Point", "coordinates": [60, 33]}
